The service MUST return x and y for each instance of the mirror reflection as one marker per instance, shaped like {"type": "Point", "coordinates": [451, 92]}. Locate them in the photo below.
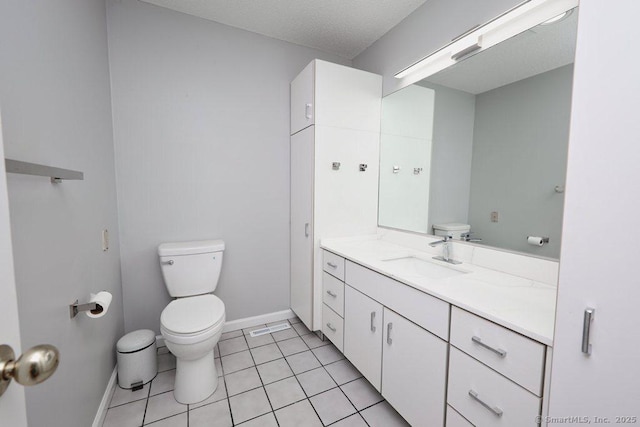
{"type": "Point", "coordinates": [478, 151]}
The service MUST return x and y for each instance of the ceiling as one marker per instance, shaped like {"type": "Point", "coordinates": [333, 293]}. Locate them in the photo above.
{"type": "Point", "coordinates": [341, 27]}
{"type": "Point", "coordinates": [537, 50]}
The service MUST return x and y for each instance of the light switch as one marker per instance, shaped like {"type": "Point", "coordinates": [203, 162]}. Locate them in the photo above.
{"type": "Point", "coordinates": [494, 216]}
{"type": "Point", "coordinates": [105, 240]}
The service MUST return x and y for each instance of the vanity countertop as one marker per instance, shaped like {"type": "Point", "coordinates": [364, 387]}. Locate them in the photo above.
{"type": "Point", "coordinates": [522, 305]}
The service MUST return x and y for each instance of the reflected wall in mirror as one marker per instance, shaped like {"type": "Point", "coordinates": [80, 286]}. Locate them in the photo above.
{"type": "Point", "coordinates": [484, 143]}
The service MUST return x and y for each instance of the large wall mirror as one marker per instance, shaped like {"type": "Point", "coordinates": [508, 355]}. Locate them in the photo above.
{"type": "Point", "coordinates": [484, 143]}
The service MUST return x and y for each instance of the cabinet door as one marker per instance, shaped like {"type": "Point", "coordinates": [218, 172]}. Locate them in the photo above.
{"type": "Point", "coordinates": [414, 370]}
{"type": "Point", "coordinates": [363, 334]}
{"type": "Point", "coordinates": [301, 232]}
{"type": "Point", "coordinates": [303, 99]}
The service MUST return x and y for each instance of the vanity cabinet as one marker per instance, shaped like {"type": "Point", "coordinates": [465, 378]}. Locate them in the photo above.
{"type": "Point", "coordinates": [363, 334]}
{"type": "Point", "coordinates": [335, 140]}
{"type": "Point", "coordinates": [414, 371]}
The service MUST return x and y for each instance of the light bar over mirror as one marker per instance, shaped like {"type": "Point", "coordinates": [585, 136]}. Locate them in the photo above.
{"type": "Point", "coordinates": [505, 26]}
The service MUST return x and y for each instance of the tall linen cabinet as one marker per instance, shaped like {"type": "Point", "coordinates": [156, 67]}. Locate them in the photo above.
{"type": "Point", "coordinates": [335, 149]}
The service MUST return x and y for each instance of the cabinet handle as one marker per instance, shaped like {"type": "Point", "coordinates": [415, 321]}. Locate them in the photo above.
{"type": "Point", "coordinates": [389, 340]}
{"type": "Point", "coordinates": [330, 326]}
{"type": "Point", "coordinates": [332, 265]}
{"type": "Point", "coordinates": [586, 330]}
{"type": "Point", "coordinates": [307, 111]}
{"type": "Point", "coordinates": [333, 294]}
{"type": "Point", "coordinates": [500, 352]}
{"type": "Point", "coordinates": [373, 318]}
{"type": "Point", "coordinates": [306, 229]}
{"type": "Point", "coordinates": [494, 409]}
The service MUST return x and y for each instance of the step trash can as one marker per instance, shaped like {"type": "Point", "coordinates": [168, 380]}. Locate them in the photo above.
{"type": "Point", "coordinates": [137, 359]}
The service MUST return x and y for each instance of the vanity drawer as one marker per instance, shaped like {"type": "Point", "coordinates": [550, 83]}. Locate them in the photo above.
{"type": "Point", "coordinates": [508, 352]}
{"type": "Point", "coordinates": [331, 321]}
{"type": "Point", "coordinates": [498, 401]}
{"type": "Point", "coordinates": [428, 312]}
{"type": "Point", "coordinates": [454, 419]}
{"type": "Point", "coordinates": [333, 293]}
{"type": "Point", "coordinates": [333, 264]}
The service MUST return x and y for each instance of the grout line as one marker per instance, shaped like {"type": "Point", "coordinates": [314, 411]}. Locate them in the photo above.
{"type": "Point", "coordinates": [260, 378]}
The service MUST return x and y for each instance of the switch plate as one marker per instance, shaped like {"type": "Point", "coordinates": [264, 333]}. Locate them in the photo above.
{"type": "Point", "coordinates": [494, 216]}
{"type": "Point", "coordinates": [105, 240]}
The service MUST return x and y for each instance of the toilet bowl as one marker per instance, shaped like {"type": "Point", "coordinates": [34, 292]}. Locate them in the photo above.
{"type": "Point", "coordinates": [192, 323]}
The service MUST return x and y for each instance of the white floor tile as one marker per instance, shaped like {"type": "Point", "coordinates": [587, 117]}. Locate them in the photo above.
{"type": "Point", "coordinates": [328, 354]}
{"type": "Point", "coordinates": [236, 362]}
{"type": "Point", "coordinates": [267, 420]}
{"type": "Point", "coordinates": [162, 406]}
{"type": "Point", "coordinates": [241, 381]}
{"type": "Point", "coordinates": [233, 345]}
{"type": "Point", "coordinates": [249, 405]}
{"type": "Point", "coordinates": [274, 371]}
{"type": "Point", "coordinates": [213, 415]}
{"type": "Point", "coordinates": [383, 415]}
{"type": "Point", "coordinates": [266, 353]}
{"type": "Point", "coordinates": [122, 396]}
{"type": "Point", "coordinates": [163, 382]}
{"type": "Point", "coordinates": [332, 406]}
{"type": "Point", "coordinates": [316, 381]}
{"type": "Point", "coordinates": [342, 371]}
{"type": "Point", "coordinates": [180, 420]}
{"type": "Point", "coordinates": [129, 415]}
{"type": "Point", "coordinates": [300, 414]}
{"type": "Point", "coordinates": [361, 393]}
{"type": "Point", "coordinates": [219, 394]}
{"type": "Point", "coordinates": [284, 392]}
{"type": "Point", "coordinates": [302, 362]}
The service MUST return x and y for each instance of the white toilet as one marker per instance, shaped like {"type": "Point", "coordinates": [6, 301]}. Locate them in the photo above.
{"type": "Point", "coordinates": [192, 323]}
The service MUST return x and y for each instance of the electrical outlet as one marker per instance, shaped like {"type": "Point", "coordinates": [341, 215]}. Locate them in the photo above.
{"type": "Point", "coordinates": [105, 240]}
{"type": "Point", "coordinates": [494, 216]}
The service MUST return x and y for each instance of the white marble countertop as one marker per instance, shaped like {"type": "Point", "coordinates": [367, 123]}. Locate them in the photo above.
{"type": "Point", "coordinates": [522, 305]}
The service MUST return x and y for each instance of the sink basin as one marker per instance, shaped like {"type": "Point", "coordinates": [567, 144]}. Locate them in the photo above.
{"type": "Point", "coordinates": [412, 266]}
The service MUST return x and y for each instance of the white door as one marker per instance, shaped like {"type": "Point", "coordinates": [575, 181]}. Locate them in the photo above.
{"type": "Point", "coordinates": [302, 99]}
{"type": "Point", "coordinates": [414, 371]}
{"type": "Point", "coordinates": [12, 404]}
{"type": "Point", "coordinates": [301, 233]}
{"type": "Point", "coordinates": [599, 264]}
{"type": "Point", "coordinates": [363, 334]}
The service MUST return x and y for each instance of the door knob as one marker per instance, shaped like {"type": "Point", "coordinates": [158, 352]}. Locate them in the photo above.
{"type": "Point", "coordinates": [33, 367]}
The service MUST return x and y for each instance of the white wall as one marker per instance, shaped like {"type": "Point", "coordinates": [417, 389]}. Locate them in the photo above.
{"type": "Point", "coordinates": [520, 143]}
{"type": "Point", "coordinates": [54, 94]}
{"type": "Point", "coordinates": [451, 156]}
{"type": "Point", "coordinates": [201, 122]}
{"type": "Point", "coordinates": [406, 136]}
{"type": "Point", "coordinates": [431, 26]}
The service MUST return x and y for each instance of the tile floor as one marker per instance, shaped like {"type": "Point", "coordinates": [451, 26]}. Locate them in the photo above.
{"type": "Point", "coordinates": [289, 378]}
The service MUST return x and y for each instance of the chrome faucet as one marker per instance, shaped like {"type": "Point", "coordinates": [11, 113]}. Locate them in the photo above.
{"type": "Point", "coordinates": [445, 242]}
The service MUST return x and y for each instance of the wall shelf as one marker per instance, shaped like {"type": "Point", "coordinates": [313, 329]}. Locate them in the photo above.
{"type": "Point", "coordinates": [56, 174]}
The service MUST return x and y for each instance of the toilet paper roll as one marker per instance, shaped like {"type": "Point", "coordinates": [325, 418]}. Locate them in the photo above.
{"type": "Point", "coordinates": [102, 300]}
{"type": "Point", "coordinates": [535, 241]}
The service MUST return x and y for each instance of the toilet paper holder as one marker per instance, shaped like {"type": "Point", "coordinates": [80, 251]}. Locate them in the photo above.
{"type": "Point", "coordinates": [76, 308]}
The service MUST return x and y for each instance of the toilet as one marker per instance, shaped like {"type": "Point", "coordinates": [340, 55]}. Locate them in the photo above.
{"type": "Point", "coordinates": [454, 230]}
{"type": "Point", "coordinates": [192, 323]}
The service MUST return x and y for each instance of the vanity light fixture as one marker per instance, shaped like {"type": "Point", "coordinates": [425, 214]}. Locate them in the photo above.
{"type": "Point", "coordinates": [558, 18]}
{"type": "Point", "coordinates": [513, 22]}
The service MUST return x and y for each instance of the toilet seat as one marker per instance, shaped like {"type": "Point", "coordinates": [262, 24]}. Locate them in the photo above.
{"type": "Point", "coordinates": [192, 318]}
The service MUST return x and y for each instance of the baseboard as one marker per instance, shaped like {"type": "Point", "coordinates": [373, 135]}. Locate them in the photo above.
{"type": "Point", "coordinates": [247, 322]}
{"type": "Point", "coordinates": [106, 398]}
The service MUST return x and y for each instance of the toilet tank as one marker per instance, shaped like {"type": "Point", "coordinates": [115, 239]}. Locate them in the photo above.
{"type": "Point", "coordinates": [453, 229]}
{"type": "Point", "coordinates": [191, 268]}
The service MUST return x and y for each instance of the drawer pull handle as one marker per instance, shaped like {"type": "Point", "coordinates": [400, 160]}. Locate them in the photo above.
{"type": "Point", "coordinates": [307, 111]}
{"type": "Point", "coordinates": [373, 318]}
{"type": "Point", "coordinates": [330, 326]}
{"type": "Point", "coordinates": [586, 330]}
{"type": "Point", "coordinates": [333, 294]}
{"type": "Point", "coordinates": [494, 409]}
{"type": "Point", "coordinates": [389, 340]}
{"type": "Point", "coordinates": [500, 352]}
{"type": "Point", "coordinates": [332, 265]}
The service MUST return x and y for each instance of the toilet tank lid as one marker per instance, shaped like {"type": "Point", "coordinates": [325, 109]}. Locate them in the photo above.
{"type": "Point", "coordinates": [190, 248]}
{"type": "Point", "coordinates": [136, 340]}
{"type": "Point", "coordinates": [452, 226]}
